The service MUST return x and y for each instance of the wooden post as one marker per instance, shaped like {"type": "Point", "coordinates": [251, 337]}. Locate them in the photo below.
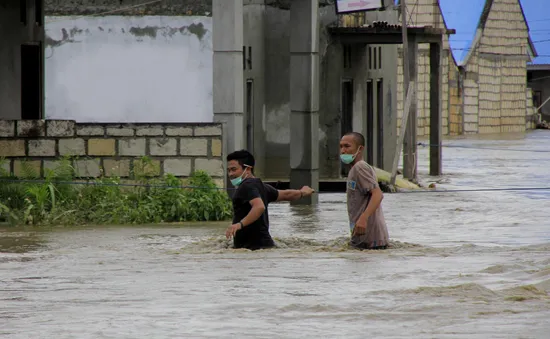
{"type": "Point", "coordinates": [544, 103]}
{"type": "Point", "coordinates": [409, 143]}
{"type": "Point", "coordinates": [401, 135]}
{"type": "Point", "coordinates": [435, 109]}
{"type": "Point", "coordinates": [408, 92]}
{"type": "Point", "coordinates": [405, 38]}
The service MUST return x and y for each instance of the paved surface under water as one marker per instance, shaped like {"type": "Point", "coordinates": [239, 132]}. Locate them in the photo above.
{"type": "Point", "coordinates": [463, 265]}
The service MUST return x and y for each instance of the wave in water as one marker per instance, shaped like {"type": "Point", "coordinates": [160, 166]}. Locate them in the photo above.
{"type": "Point", "coordinates": [538, 291]}
{"type": "Point", "coordinates": [20, 242]}
{"type": "Point", "coordinates": [499, 269]}
{"type": "Point", "coordinates": [221, 244]}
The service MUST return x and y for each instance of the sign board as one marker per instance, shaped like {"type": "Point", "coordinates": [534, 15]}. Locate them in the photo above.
{"type": "Point", "coordinates": [350, 6]}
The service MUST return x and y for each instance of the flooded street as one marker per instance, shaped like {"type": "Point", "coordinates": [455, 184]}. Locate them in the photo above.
{"type": "Point", "coordinates": [463, 265]}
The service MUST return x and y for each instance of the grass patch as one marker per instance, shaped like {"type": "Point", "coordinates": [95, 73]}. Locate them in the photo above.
{"type": "Point", "coordinates": [107, 200]}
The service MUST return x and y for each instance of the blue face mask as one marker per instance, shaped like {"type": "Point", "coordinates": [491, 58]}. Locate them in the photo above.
{"type": "Point", "coordinates": [237, 181]}
{"type": "Point", "coordinates": [348, 158]}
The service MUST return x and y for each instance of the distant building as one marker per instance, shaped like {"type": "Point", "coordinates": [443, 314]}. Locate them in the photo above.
{"type": "Point", "coordinates": [487, 89]}
{"type": "Point", "coordinates": [166, 73]}
{"type": "Point", "coordinates": [21, 59]}
{"type": "Point", "coordinates": [538, 78]}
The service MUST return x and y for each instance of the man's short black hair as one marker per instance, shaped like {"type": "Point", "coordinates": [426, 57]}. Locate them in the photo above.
{"type": "Point", "coordinates": [243, 157]}
{"type": "Point", "coordinates": [359, 138]}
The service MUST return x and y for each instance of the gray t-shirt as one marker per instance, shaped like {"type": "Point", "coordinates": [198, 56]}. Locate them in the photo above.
{"type": "Point", "coordinates": [361, 180]}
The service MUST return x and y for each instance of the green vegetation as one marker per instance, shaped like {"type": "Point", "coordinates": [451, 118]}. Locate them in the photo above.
{"type": "Point", "coordinates": [54, 201]}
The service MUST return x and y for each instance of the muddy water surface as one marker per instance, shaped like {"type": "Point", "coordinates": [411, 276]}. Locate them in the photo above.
{"type": "Point", "coordinates": [463, 265]}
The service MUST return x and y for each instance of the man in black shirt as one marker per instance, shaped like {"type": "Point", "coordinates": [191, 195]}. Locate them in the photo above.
{"type": "Point", "coordinates": [250, 227]}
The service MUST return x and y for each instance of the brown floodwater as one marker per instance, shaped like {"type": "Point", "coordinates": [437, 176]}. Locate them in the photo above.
{"type": "Point", "coordinates": [462, 265]}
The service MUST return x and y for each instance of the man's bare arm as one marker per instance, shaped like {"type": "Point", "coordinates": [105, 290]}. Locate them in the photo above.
{"type": "Point", "coordinates": [255, 213]}
{"type": "Point", "coordinates": [376, 199]}
{"type": "Point", "coordinates": [290, 194]}
{"type": "Point", "coordinates": [368, 180]}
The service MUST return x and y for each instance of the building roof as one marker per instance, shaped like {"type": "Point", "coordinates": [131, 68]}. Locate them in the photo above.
{"type": "Point", "coordinates": [467, 19]}
{"type": "Point", "coordinates": [539, 28]}
{"type": "Point", "coordinates": [538, 67]}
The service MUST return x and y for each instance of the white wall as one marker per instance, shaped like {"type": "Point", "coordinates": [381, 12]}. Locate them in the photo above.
{"type": "Point", "coordinates": [129, 69]}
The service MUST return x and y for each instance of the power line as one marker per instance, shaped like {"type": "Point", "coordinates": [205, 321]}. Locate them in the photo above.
{"type": "Point", "coordinates": [231, 188]}
{"type": "Point", "coordinates": [479, 190]}
{"type": "Point", "coordinates": [531, 31]}
{"type": "Point", "coordinates": [524, 44]}
{"type": "Point", "coordinates": [110, 184]}
{"type": "Point", "coordinates": [485, 148]}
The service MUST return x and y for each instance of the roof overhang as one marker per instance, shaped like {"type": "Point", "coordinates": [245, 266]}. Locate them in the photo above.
{"type": "Point", "coordinates": [388, 35]}
{"type": "Point", "coordinates": [532, 51]}
{"type": "Point", "coordinates": [538, 67]}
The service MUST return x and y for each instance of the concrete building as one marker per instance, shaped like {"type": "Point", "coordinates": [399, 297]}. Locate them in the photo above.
{"type": "Point", "coordinates": [538, 79]}
{"type": "Point", "coordinates": [144, 64]}
{"type": "Point", "coordinates": [428, 13]}
{"type": "Point", "coordinates": [362, 80]}
{"type": "Point", "coordinates": [380, 113]}
{"type": "Point", "coordinates": [495, 71]}
{"type": "Point", "coordinates": [21, 59]}
{"type": "Point", "coordinates": [485, 88]}
{"type": "Point", "coordinates": [305, 113]}
{"type": "Point", "coordinates": [143, 45]}
{"type": "Point", "coordinates": [538, 70]}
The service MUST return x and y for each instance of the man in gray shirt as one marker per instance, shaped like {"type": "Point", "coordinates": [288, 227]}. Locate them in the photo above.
{"type": "Point", "coordinates": [364, 197]}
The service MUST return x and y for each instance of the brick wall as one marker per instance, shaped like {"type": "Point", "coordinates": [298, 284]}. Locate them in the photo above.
{"type": "Point", "coordinates": [496, 83]}
{"type": "Point", "coordinates": [470, 96]}
{"type": "Point", "coordinates": [423, 89]}
{"type": "Point", "coordinates": [113, 149]}
{"type": "Point", "coordinates": [493, 85]}
{"type": "Point", "coordinates": [531, 116]}
{"type": "Point", "coordinates": [490, 91]}
{"type": "Point", "coordinates": [455, 101]}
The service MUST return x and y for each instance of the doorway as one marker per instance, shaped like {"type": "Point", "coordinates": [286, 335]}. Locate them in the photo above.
{"type": "Point", "coordinates": [250, 115]}
{"type": "Point", "coordinates": [370, 123]}
{"type": "Point", "coordinates": [346, 122]}
{"type": "Point", "coordinates": [31, 81]}
{"type": "Point", "coordinates": [380, 123]}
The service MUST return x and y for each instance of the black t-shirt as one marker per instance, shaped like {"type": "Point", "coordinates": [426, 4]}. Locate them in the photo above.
{"type": "Point", "coordinates": [256, 235]}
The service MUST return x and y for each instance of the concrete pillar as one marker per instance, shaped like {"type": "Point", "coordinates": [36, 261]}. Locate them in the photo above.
{"type": "Point", "coordinates": [227, 91]}
{"type": "Point", "coordinates": [254, 12]}
{"type": "Point", "coordinates": [304, 96]}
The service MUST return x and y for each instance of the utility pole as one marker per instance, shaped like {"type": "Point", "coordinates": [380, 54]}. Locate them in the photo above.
{"type": "Point", "coordinates": [405, 37]}
{"type": "Point", "coordinates": [408, 89]}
